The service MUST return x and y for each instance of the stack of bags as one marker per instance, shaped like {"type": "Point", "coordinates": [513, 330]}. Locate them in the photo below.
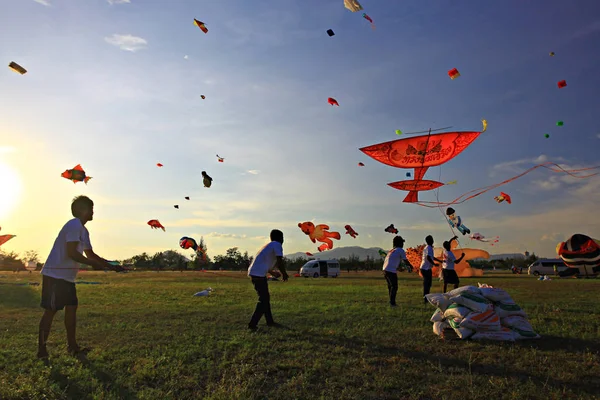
{"type": "Point", "coordinates": [479, 313]}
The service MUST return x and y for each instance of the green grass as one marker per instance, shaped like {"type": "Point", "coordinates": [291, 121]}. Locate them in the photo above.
{"type": "Point", "coordinates": [152, 339]}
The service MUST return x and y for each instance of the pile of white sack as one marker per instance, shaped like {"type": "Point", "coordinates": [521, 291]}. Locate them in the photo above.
{"type": "Point", "coordinates": [479, 313]}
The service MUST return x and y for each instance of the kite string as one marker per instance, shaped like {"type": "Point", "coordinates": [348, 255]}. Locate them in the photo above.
{"type": "Point", "coordinates": [476, 192]}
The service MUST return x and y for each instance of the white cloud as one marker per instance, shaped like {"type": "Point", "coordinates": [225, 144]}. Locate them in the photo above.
{"type": "Point", "coordinates": [43, 2]}
{"type": "Point", "coordinates": [186, 57]}
{"type": "Point", "coordinates": [253, 171]}
{"type": "Point", "coordinates": [127, 42]}
{"type": "Point", "coordinates": [119, 1]}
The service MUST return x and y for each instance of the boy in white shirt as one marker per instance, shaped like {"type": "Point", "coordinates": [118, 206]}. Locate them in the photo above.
{"type": "Point", "coordinates": [427, 262]}
{"type": "Point", "coordinates": [390, 266]}
{"type": "Point", "coordinates": [267, 258]}
{"type": "Point", "coordinates": [448, 271]}
{"type": "Point", "coordinates": [60, 270]}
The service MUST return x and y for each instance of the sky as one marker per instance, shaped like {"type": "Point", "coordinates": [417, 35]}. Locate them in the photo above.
{"type": "Point", "coordinates": [115, 86]}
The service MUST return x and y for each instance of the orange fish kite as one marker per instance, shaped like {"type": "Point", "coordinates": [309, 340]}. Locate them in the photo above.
{"type": "Point", "coordinates": [77, 174]}
{"type": "Point", "coordinates": [155, 224]}
{"type": "Point", "coordinates": [350, 231]}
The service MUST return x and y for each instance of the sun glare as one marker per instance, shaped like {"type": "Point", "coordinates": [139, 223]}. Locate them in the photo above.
{"type": "Point", "coordinates": [10, 190]}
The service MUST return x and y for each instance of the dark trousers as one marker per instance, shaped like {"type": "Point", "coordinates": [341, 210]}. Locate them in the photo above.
{"type": "Point", "coordinates": [426, 281]}
{"type": "Point", "coordinates": [392, 282]}
{"type": "Point", "coordinates": [263, 307]}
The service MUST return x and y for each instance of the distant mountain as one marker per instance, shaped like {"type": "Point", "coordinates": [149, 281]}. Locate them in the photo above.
{"type": "Point", "coordinates": [373, 253]}
{"type": "Point", "coordinates": [341, 252]}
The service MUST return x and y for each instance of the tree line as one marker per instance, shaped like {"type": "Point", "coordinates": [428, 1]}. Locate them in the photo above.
{"type": "Point", "coordinates": [234, 260]}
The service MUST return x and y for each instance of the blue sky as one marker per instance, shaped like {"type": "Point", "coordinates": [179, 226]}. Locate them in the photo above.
{"type": "Point", "coordinates": [116, 87]}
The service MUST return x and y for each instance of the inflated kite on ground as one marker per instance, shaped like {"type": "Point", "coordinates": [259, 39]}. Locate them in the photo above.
{"type": "Point", "coordinates": [581, 254]}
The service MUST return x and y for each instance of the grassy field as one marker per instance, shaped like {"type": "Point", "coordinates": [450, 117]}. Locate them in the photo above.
{"type": "Point", "coordinates": [151, 339]}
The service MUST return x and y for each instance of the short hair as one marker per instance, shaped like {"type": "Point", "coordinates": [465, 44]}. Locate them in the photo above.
{"type": "Point", "coordinates": [276, 235]}
{"type": "Point", "coordinates": [446, 245]}
{"type": "Point", "coordinates": [429, 239]}
{"type": "Point", "coordinates": [398, 241]}
{"type": "Point", "coordinates": [79, 204]}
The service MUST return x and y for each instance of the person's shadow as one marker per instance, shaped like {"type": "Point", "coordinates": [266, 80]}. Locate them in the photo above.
{"type": "Point", "coordinates": [75, 391]}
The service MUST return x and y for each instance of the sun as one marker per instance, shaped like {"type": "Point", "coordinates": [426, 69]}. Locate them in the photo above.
{"type": "Point", "coordinates": [10, 190]}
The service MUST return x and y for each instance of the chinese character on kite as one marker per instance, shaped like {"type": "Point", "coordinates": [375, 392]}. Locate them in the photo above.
{"type": "Point", "coordinates": [189, 243]}
{"type": "Point", "coordinates": [456, 222]}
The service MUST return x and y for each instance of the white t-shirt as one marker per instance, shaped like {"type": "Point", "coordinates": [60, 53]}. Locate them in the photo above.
{"type": "Point", "coordinates": [59, 265]}
{"type": "Point", "coordinates": [393, 259]}
{"type": "Point", "coordinates": [265, 259]}
{"type": "Point", "coordinates": [427, 251]}
{"type": "Point", "coordinates": [448, 261]}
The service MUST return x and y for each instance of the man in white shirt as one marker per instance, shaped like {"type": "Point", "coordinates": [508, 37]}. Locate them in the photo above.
{"type": "Point", "coordinates": [428, 261]}
{"type": "Point", "coordinates": [270, 256]}
{"type": "Point", "coordinates": [390, 267]}
{"type": "Point", "coordinates": [448, 271]}
{"type": "Point", "coordinates": [60, 270]}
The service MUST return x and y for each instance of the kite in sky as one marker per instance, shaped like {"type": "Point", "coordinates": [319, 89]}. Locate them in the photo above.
{"type": "Point", "coordinates": [332, 101]}
{"type": "Point", "coordinates": [319, 232]}
{"type": "Point", "coordinates": [5, 238]}
{"type": "Point", "coordinates": [159, 165]}
{"type": "Point", "coordinates": [503, 196]}
{"type": "Point", "coordinates": [552, 54]}
{"type": "Point", "coordinates": [323, 247]}
{"type": "Point", "coordinates": [77, 174]}
{"type": "Point", "coordinates": [189, 243]}
{"type": "Point", "coordinates": [562, 84]}
{"type": "Point", "coordinates": [560, 123]}
{"type": "Point", "coordinates": [207, 179]}
{"type": "Point", "coordinates": [478, 236]}
{"type": "Point", "coordinates": [330, 32]}
{"type": "Point", "coordinates": [187, 197]}
{"type": "Point", "coordinates": [420, 153]}
{"type": "Point", "coordinates": [453, 73]}
{"type": "Point", "coordinates": [17, 68]}
{"type": "Point", "coordinates": [398, 132]}
{"type": "Point", "coordinates": [220, 159]}
{"type": "Point", "coordinates": [309, 254]}
{"type": "Point", "coordinates": [202, 96]}
{"type": "Point", "coordinates": [361, 164]}
{"type": "Point", "coordinates": [391, 229]}
{"type": "Point", "coordinates": [452, 183]}
{"type": "Point", "coordinates": [352, 5]}
{"type": "Point", "coordinates": [201, 25]}
{"type": "Point", "coordinates": [176, 206]}
{"type": "Point", "coordinates": [484, 122]}
{"type": "Point", "coordinates": [365, 16]}
{"type": "Point", "coordinates": [350, 231]}
{"type": "Point", "coordinates": [456, 222]}
{"type": "Point", "coordinates": [155, 224]}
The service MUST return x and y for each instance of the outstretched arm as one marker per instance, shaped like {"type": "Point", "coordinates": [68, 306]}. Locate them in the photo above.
{"type": "Point", "coordinates": [460, 259]}
{"type": "Point", "coordinates": [280, 265]}
{"type": "Point", "coordinates": [96, 263]}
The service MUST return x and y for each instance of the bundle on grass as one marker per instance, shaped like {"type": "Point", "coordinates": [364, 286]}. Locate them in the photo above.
{"type": "Point", "coordinates": [477, 313]}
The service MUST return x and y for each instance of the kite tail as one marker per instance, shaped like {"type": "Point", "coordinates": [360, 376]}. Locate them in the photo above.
{"type": "Point", "coordinates": [411, 197]}
{"type": "Point", "coordinates": [86, 180]}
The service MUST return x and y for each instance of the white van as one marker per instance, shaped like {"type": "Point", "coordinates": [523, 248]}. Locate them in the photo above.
{"type": "Point", "coordinates": [545, 266]}
{"type": "Point", "coordinates": [316, 268]}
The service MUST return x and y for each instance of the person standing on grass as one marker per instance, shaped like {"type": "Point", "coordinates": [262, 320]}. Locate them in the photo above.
{"type": "Point", "coordinates": [427, 262]}
{"type": "Point", "coordinates": [448, 271]}
{"type": "Point", "coordinates": [270, 256]}
{"type": "Point", "coordinates": [60, 270]}
{"type": "Point", "coordinates": [390, 266]}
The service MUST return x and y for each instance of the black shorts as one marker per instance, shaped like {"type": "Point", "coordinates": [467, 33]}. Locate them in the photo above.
{"type": "Point", "coordinates": [57, 293]}
{"type": "Point", "coordinates": [450, 276]}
